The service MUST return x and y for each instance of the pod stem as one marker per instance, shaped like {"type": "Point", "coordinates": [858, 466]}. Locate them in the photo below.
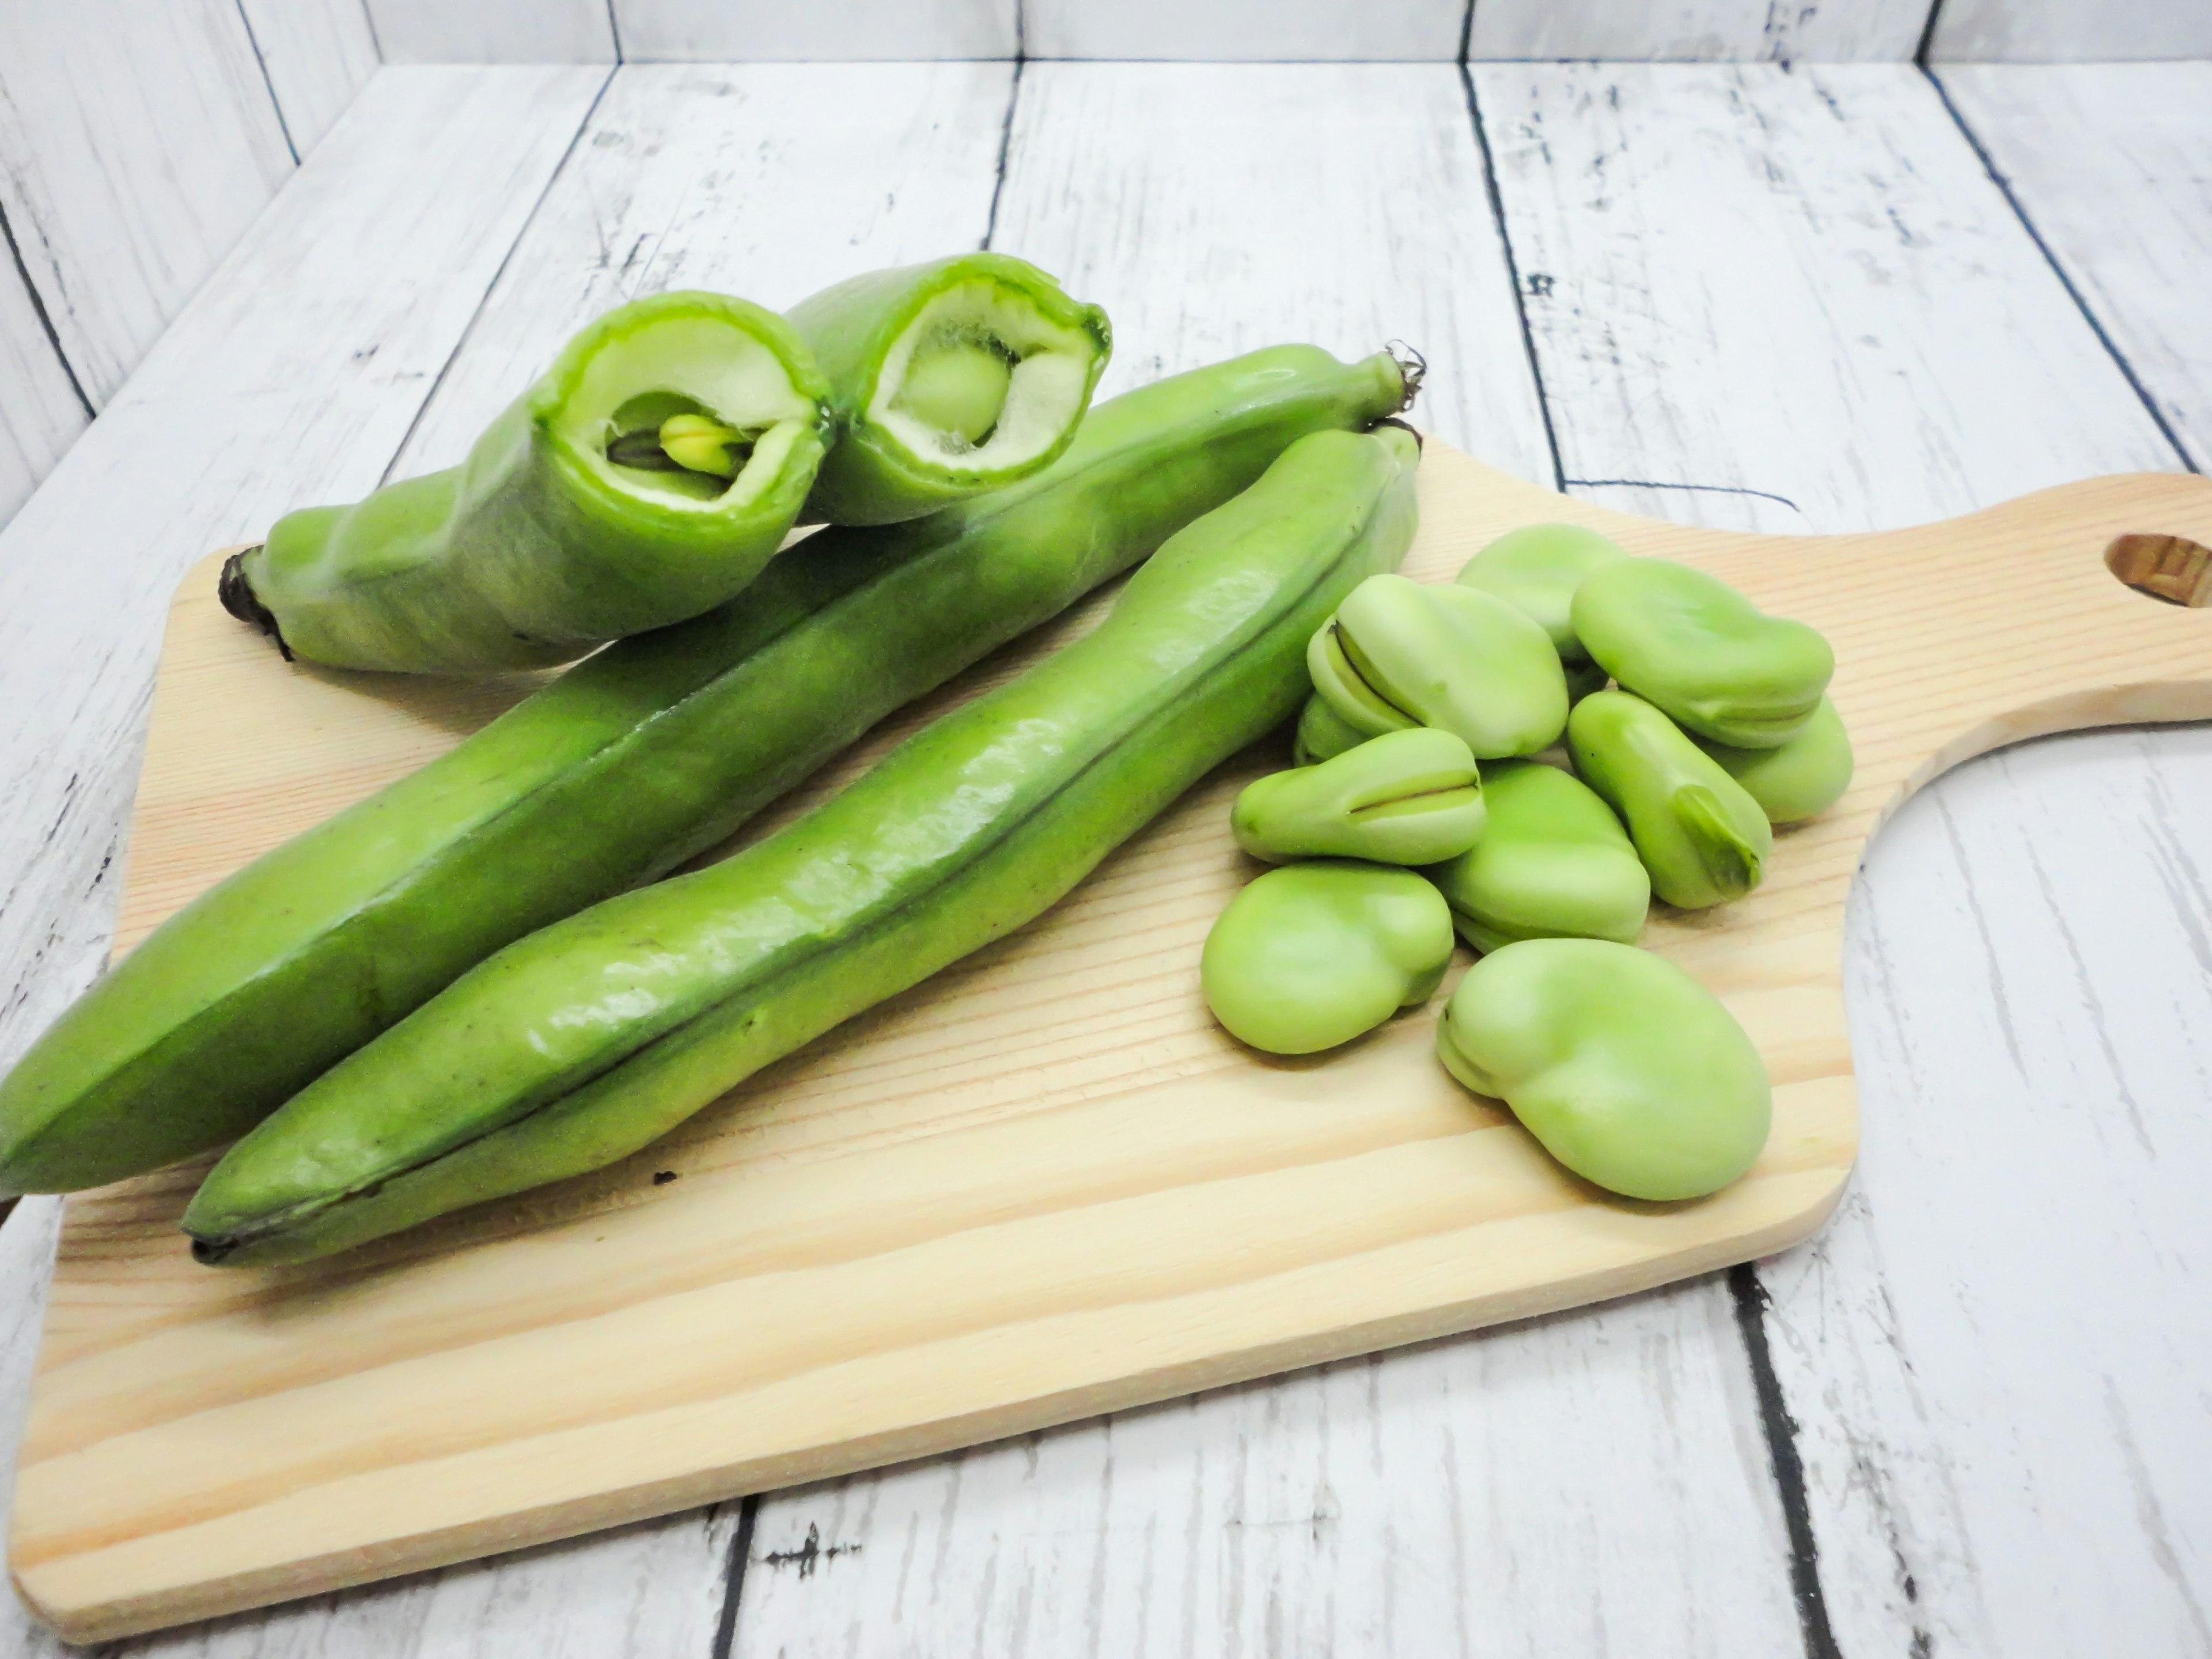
{"type": "Point", "coordinates": [1413, 369]}
{"type": "Point", "coordinates": [238, 597]}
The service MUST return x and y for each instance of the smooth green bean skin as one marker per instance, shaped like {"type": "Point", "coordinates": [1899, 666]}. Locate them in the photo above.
{"type": "Point", "coordinates": [1322, 733]}
{"type": "Point", "coordinates": [1552, 862]}
{"type": "Point", "coordinates": [1628, 1071]}
{"type": "Point", "coordinates": [1400, 654]}
{"type": "Point", "coordinates": [538, 547]}
{"type": "Point", "coordinates": [650, 752]}
{"type": "Point", "coordinates": [1702, 837]}
{"type": "Point", "coordinates": [594, 1036]}
{"type": "Point", "coordinates": [1311, 956]}
{"type": "Point", "coordinates": [1536, 570]}
{"type": "Point", "coordinates": [1403, 798]}
{"type": "Point", "coordinates": [898, 458]}
{"type": "Point", "coordinates": [1803, 778]}
{"type": "Point", "coordinates": [1691, 646]}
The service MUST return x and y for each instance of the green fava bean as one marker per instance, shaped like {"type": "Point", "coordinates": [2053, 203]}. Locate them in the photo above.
{"type": "Point", "coordinates": [1693, 646]}
{"type": "Point", "coordinates": [1311, 956]}
{"type": "Point", "coordinates": [1536, 570]}
{"type": "Point", "coordinates": [1701, 835]}
{"type": "Point", "coordinates": [1322, 733]}
{"type": "Point", "coordinates": [1404, 798]}
{"type": "Point", "coordinates": [1400, 653]}
{"type": "Point", "coordinates": [1552, 861]}
{"type": "Point", "coordinates": [1627, 1070]}
{"type": "Point", "coordinates": [1800, 780]}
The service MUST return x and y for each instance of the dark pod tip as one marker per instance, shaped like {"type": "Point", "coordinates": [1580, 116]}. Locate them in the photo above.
{"type": "Point", "coordinates": [213, 1252]}
{"type": "Point", "coordinates": [238, 597]}
{"type": "Point", "coordinates": [1413, 369]}
{"type": "Point", "coordinates": [1419, 442]}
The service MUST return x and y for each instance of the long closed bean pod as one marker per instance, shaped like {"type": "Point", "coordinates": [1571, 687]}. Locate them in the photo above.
{"type": "Point", "coordinates": [573, 520]}
{"type": "Point", "coordinates": [597, 1034]}
{"type": "Point", "coordinates": [650, 752]}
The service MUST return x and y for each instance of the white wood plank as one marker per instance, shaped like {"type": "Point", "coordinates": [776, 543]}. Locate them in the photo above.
{"type": "Point", "coordinates": [1744, 279]}
{"type": "Point", "coordinates": [294, 375]}
{"type": "Point", "coordinates": [1727, 31]}
{"type": "Point", "coordinates": [40, 414]}
{"type": "Point", "coordinates": [726, 178]}
{"type": "Point", "coordinates": [1525, 1490]}
{"type": "Point", "coordinates": [2107, 160]}
{"type": "Point", "coordinates": [139, 141]}
{"type": "Point", "coordinates": [2070, 31]}
{"type": "Point", "coordinates": [318, 55]}
{"type": "Point", "coordinates": [493, 31]}
{"type": "Point", "coordinates": [1801, 283]}
{"type": "Point", "coordinates": [1247, 30]}
{"type": "Point", "coordinates": [767, 31]}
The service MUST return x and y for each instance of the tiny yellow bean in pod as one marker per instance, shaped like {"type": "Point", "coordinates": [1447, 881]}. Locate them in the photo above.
{"type": "Point", "coordinates": [1312, 955]}
{"type": "Point", "coordinates": [1627, 1070]}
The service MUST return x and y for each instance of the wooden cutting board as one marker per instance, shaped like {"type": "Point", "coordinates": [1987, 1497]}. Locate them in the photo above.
{"type": "Point", "coordinates": [1040, 1186]}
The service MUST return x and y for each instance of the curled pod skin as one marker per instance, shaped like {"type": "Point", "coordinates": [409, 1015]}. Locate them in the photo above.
{"type": "Point", "coordinates": [1552, 862]}
{"type": "Point", "coordinates": [592, 1037]}
{"type": "Point", "coordinates": [1404, 798]}
{"type": "Point", "coordinates": [572, 521]}
{"type": "Point", "coordinates": [1311, 956]}
{"type": "Point", "coordinates": [1322, 733]}
{"type": "Point", "coordinates": [946, 380]}
{"type": "Point", "coordinates": [1400, 653]}
{"type": "Point", "coordinates": [1691, 646]}
{"type": "Point", "coordinates": [1703, 838]}
{"type": "Point", "coordinates": [1800, 780]}
{"type": "Point", "coordinates": [1536, 570]}
{"type": "Point", "coordinates": [1627, 1070]}
{"type": "Point", "coordinates": [653, 751]}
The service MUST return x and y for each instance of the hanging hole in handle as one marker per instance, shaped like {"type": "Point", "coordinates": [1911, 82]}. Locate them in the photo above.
{"type": "Point", "coordinates": [2169, 568]}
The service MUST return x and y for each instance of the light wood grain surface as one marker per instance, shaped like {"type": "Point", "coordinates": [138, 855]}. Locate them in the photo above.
{"type": "Point", "coordinates": [1042, 1184]}
{"type": "Point", "coordinates": [1546, 1486]}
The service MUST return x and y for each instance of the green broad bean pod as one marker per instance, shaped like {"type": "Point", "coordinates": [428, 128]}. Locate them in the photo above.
{"type": "Point", "coordinates": [946, 378]}
{"type": "Point", "coordinates": [592, 1037]}
{"type": "Point", "coordinates": [1694, 648]}
{"type": "Point", "coordinates": [1400, 653]}
{"type": "Point", "coordinates": [1552, 862]}
{"type": "Point", "coordinates": [1309, 956]}
{"type": "Point", "coordinates": [571, 522]}
{"type": "Point", "coordinates": [653, 751]}
{"type": "Point", "coordinates": [1403, 798]}
{"type": "Point", "coordinates": [1624, 1068]}
{"type": "Point", "coordinates": [1703, 838]}
{"type": "Point", "coordinates": [1322, 733]}
{"type": "Point", "coordinates": [1800, 780]}
{"type": "Point", "coordinates": [1536, 570]}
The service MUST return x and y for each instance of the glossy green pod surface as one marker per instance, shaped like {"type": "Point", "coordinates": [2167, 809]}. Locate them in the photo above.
{"type": "Point", "coordinates": [1800, 780]}
{"type": "Point", "coordinates": [1629, 1072]}
{"type": "Point", "coordinates": [596, 1035]}
{"type": "Point", "coordinates": [1691, 645]}
{"type": "Point", "coordinates": [1322, 733]}
{"type": "Point", "coordinates": [1400, 653]}
{"type": "Point", "coordinates": [1311, 956]}
{"type": "Point", "coordinates": [1536, 570]}
{"type": "Point", "coordinates": [1404, 798]}
{"type": "Point", "coordinates": [653, 751]}
{"type": "Point", "coordinates": [1552, 862]}
{"type": "Point", "coordinates": [946, 378]}
{"type": "Point", "coordinates": [1702, 837]}
{"type": "Point", "coordinates": [568, 524]}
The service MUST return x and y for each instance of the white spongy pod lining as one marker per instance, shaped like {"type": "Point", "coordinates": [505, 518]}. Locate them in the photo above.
{"type": "Point", "coordinates": [719, 365]}
{"type": "Point", "coordinates": [1043, 399]}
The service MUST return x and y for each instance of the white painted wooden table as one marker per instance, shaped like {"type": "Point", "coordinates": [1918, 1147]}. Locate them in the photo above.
{"type": "Point", "coordinates": [1972, 1418]}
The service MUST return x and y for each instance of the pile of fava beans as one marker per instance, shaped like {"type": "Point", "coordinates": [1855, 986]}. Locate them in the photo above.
{"type": "Point", "coordinates": [1423, 801]}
